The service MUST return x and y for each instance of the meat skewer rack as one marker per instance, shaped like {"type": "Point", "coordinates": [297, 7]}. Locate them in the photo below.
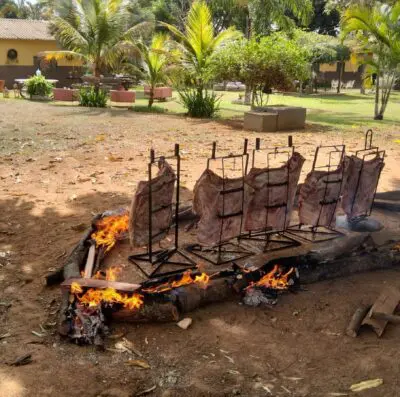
{"type": "Point", "coordinates": [159, 258]}
{"type": "Point", "coordinates": [324, 232]}
{"type": "Point", "coordinates": [225, 251]}
{"type": "Point", "coordinates": [273, 240]}
{"type": "Point", "coordinates": [363, 154]}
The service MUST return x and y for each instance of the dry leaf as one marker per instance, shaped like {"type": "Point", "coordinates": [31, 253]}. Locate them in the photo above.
{"type": "Point", "coordinates": [367, 384]}
{"type": "Point", "coordinates": [100, 137]}
{"type": "Point", "coordinates": [138, 363]}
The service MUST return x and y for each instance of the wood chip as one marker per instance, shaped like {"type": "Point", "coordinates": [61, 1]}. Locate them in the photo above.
{"type": "Point", "coordinates": [23, 360]}
{"type": "Point", "coordinates": [185, 323]}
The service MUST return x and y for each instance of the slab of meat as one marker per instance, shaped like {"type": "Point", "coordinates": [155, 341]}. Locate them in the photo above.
{"type": "Point", "coordinates": [162, 187]}
{"type": "Point", "coordinates": [361, 186]}
{"type": "Point", "coordinates": [220, 213]}
{"type": "Point", "coordinates": [267, 188]}
{"type": "Point", "coordinates": [319, 196]}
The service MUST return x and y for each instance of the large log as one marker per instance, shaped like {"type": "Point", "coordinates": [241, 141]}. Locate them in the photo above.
{"type": "Point", "coordinates": [192, 296]}
{"type": "Point", "coordinates": [157, 312]}
{"type": "Point", "coordinates": [341, 258]}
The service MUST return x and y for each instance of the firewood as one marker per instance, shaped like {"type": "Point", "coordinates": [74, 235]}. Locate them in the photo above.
{"type": "Point", "coordinates": [157, 312]}
{"type": "Point", "coordinates": [100, 284]}
{"type": "Point", "coordinates": [88, 271]}
{"type": "Point", "coordinates": [75, 261]}
{"type": "Point", "coordinates": [192, 296]}
{"type": "Point", "coordinates": [356, 320]}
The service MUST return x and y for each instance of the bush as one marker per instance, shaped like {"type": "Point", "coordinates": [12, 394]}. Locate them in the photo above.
{"type": "Point", "coordinates": [93, 97]}
{"type": "Point", "coordinates": [38, 85]}
{"type": "Point", "coordinates": [202, 104]}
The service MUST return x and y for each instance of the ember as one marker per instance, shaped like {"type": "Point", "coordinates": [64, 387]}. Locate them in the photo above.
{"type": "Point", "coordinates": [187, 278]}
{"type": "Point", "coordinates": [274, 279]}
{"type": "Point", "coordinates": [95, 297]}
{"type": "Point", "coordinates": [109, 229]}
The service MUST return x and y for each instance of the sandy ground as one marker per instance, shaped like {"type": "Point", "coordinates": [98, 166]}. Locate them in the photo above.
{"type": "Point", "coordinates": [61, 165]}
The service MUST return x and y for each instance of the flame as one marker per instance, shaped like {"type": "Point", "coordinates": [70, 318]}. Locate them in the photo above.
{"type": "Point", "coordinates": [274, 279]}
{"type": "Point", "coordinates": [76, 288]}
{"type": "Point", "coordinates": [186, 279]}
{"type": "Point", "coordinates": [109, 229]}
{"type": "Point", "coordinates": [94, 297]}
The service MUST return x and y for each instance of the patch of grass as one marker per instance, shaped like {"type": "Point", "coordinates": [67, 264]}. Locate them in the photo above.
{"type": "Point", "coordinates": [146, 109]}
{"type": "Point", "coordinates": [343, 111]}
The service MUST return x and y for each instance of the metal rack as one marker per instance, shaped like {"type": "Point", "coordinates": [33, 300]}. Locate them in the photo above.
{"type": "Point", "coordinates": [318, 232]}
{"type": "Point", "coordinates": [157, 259]}
{"type": "Point", "coordinates": [362, 154]}
{"type": "Point", "coordinates": [272, 239]}
{"type": "Point", "coordinates": [225, 251]}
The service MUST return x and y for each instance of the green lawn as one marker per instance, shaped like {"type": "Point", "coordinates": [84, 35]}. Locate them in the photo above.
{"type": "Point", "coordinates": [339, 111]}
{"type": "Point", "coordinates": [344, 111]}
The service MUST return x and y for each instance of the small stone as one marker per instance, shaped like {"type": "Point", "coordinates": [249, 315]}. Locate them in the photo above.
{"type": "Point", "coordinates": [185, 323]}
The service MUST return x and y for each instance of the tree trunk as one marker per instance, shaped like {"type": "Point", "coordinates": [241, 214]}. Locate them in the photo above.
{"type": "Point", "coordinates": [362, 73]}
{"type": "Point", "coordinates": [247, 96]}
{"type": "Point", "coordinates": [151, 97]}
{"type": "Point", "coordinates": [341, 67]}
{"type": "Point", "coordinates": [386, 96]}
{"type": "Point", "coordinates": [377, 117]}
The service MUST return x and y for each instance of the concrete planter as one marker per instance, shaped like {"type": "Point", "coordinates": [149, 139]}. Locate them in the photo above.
{"type": "Point", "coordinates": [65, 94]}
{"type": "Point", "coordinates": [42, 98]}
{"type": "Point", "coordinates": [122, 96]}
{"type": "Point", "coordinates": [275, 118]}
{"type": "Point", "coordinates": [160, 93]}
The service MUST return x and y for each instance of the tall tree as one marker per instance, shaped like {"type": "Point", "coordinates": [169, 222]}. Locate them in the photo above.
{"type": "Point", "coordinates": [95, 31]}
{"type": "Point", "coordinates": [378, 30]}
{"type": "Point", "coordinates": [198, 42]}
{"type": "Point", "coordinates": [20, 9]}
{"type": "Point", "coordinates": [324, 21]}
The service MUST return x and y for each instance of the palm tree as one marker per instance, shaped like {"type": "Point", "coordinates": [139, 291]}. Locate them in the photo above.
{"type": "Point", "coordinates": [96, 31]}
{"type": "Point", "coordinates": [155, 60]}
{"type": "Point", "coordinates": [380, 30]}
{"type": "Point", "coordinates": [198, 43]}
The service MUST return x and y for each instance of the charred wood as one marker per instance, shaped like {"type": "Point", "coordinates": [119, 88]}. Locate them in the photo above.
{"type": "Point", "coordinates": [157, 312]}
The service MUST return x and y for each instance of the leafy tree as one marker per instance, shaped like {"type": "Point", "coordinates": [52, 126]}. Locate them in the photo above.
{"type": "Point", "coordinates": [197, 44]}
{"type": "Point", "coordinates": [97, 31]}
{"type": "Point", "coordinates": [324, 21]}
{"type": "Point", "coordinates": [272, 62]}
{"type": "Point", "coordinates": [155, 60]}
{"type": "Point", "coordinates": [322, 49]}
{"type": "Point", "coordinates": [20, 9]}
{"type": "Point", "coordinates": [378, 31]}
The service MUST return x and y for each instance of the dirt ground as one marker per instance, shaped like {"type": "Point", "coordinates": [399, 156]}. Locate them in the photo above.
{"type": "Point", "coordinates": [61, 165]}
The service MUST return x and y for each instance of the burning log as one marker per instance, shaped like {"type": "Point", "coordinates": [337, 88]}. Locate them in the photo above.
{"type": "Point", "coordinates": [157, 312]}
{"type": "Point", "coordinates": [74, 262]}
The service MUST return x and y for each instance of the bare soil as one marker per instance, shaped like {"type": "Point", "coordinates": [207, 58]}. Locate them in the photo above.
{"type": "Point", "coordinates": [61, 165]}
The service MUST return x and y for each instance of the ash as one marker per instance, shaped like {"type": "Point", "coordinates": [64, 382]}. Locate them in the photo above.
{"type": "Point", "coordinates": [256, 296]}
{"type": "Point", "coordinates": [87, 325]}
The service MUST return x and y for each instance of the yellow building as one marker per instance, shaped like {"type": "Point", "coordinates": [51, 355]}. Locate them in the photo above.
{"type": "Point", "coordinates": [20, 42]}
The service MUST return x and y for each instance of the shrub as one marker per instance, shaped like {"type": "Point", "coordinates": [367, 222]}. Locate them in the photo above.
{"type": "Point", "coordinates": [93, 97]}
{"type": "Point", "coordinates": [202, 104]}
{"type": "Point", "coordinates": [38, 85]}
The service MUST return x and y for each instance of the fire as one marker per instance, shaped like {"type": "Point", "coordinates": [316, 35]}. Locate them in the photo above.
{"type": "Point", "coordinates": [94, 297]}
{"type": "Point", "coordinates": [274, 279]}
{"type": "Point", "coordinates": [186, 279]}
{"type": "Point", "coordinates": [109, 229]}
